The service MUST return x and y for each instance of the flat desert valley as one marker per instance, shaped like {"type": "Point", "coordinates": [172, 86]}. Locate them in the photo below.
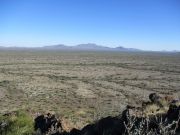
{"type": "Point", "coordinates": [84, 86]}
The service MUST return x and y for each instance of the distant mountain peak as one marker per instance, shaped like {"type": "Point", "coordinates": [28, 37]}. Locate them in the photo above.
{"type": "Point", "coordinates": [120, 47]}
{"type": "Point", "coordinates": [89, 45]}
{"type": "Point", "coordinates": [59, 45]}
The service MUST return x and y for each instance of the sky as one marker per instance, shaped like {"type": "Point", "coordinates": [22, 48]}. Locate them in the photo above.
{"type": "Point", "coordinates": [142, 24]}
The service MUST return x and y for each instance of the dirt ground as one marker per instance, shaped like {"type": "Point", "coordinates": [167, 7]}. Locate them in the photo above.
{"type": "Point", "coordinates": [84, 86]}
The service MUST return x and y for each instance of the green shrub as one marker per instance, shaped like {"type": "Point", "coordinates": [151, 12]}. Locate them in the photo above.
{"type": "Point", "coordinates": [20, 123]}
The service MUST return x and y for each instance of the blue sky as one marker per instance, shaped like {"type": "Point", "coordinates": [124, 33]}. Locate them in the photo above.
{"type": "Point", "coordinates": [143, 24]}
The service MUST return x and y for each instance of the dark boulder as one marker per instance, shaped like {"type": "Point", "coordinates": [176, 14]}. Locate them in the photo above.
{"type": "Point", "coordinates": [105, 126]}
{"type": "Point", "coordinates": [40, 124]}
{"type": "Point", "coordinates": [154, 97]}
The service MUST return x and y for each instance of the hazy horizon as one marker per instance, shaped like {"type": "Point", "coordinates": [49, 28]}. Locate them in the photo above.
{"type": "Point", "coordinates": [147, 25]}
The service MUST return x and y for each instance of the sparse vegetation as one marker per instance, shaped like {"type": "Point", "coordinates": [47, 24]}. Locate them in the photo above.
{"type": "Point", "coordinates": [18, 123]}
{"type": "Point", "coordinates": [82, 87]}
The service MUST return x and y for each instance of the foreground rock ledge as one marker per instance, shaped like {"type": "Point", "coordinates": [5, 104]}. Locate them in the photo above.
{"type": "Point", "coordinates": [158, 116]}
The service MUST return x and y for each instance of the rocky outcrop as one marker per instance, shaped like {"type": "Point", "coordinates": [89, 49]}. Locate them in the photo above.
{"type": "Point", "coordinates": [3, 127]}
{"type": "Point", "coordinates": [47, 124]}
{"type": "Point", "coordinates": [160, 115]}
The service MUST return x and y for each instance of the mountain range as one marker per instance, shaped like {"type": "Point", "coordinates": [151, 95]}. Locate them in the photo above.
{"type": "Point", "coordinates": [89, 47]}
{"type": "Point", "coordinates": [79, 47]}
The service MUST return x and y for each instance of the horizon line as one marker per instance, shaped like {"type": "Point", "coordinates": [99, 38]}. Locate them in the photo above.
{"type": "Point", "coordinates": [43, 46]}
